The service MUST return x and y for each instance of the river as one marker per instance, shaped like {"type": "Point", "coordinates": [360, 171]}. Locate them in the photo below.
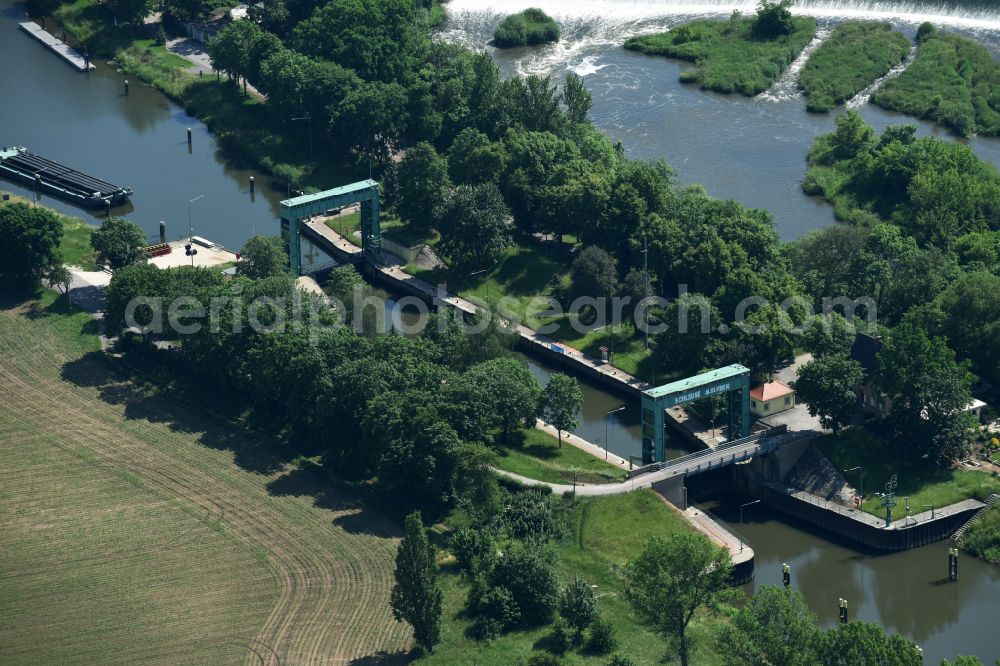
{"type": "Point", "coordinates": [748, 149]}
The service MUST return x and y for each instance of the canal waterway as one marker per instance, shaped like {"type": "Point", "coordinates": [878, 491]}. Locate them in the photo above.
{"type": "Point", "coordinates": [86, 122]}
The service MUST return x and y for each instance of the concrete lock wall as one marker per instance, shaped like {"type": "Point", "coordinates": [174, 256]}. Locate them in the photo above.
{"type": "Point", "coordinates": [856, 529]}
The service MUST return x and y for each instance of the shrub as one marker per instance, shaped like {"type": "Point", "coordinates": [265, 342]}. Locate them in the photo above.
{"type": "Point", "coordinates": [474, 549]}
{"type": "Point", "coordinates": [773, 19]}
{"type": "Point", "coordinates": [620, 660]}
{"type": "Point", "coordinates": [530, 27]}
{"type": "Point", "coordinates": [602, 637]}
{"type": "Point", "coordinates": [561, 637]}
{"type": "Point", "coordinates": [578, 605]}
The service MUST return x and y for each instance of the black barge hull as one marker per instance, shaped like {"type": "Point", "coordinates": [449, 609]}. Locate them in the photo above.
{"type": "Point", "coordinates": [62, 181]}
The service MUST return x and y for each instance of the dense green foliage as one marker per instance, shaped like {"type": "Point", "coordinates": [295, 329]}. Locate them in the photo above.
{"type": "Point", "coordinates": [983, 536]}
{"type": "Point", "coordinates": [776, 627]}
{"type": "Point", "coordinates": [953, 81]}
{"type": "Point", "coordinates": [262, 257]}
{"type": "Point", "coordinates": [730, 55]}
{"type": "Point", "coordinates": [852, 57]}
{"type": "Point", "coordinates": [527, 28]}
{"type": "Point", "coordinates": [829, 386]}
{"type": "Point", "coordinates": [120, 242]}
{"type": "Point", "coordinates": [30, 250]}
{"type": "Point", "coordinates": [416, 598]}
{"type": "Point", "coordinates": [475, 226]}
{"type": "Point", "coordinates": [925, 238]}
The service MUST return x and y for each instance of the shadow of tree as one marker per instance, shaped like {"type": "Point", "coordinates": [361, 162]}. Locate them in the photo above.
{"type": "Point", "coordinates": [251, 451]}
{"type": "Point", "coordinates": [352, 514]}
{"type": "Point", "coordinates": [387, 658]}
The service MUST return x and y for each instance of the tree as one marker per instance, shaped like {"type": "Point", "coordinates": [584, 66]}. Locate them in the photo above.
{"type": "Point", "coordinates": [474, 549]}
{"type": "Point", "coordinates": [475, 226]}
{"type": "Point", "coordinates": [416, 598]}
{"type": "Point", "coordinates": [560, 403]}
{"type": "Point", "coordinates": [602, 637]}
{"type": "Point", "coordinates": [594, 273]}
{"type": "Point", "coordinates": [866, 644]}
{"type": "Point", "coordinates": [775, 627]}
{"type": "Point", "coordinates": [851, 136]}
{"type": "Point", "coordinates": [929, 390]}
{"type": "Point", "coordinates": [120, 242]}
{"type": "Point", "coordinates": [773, 19]}
{"type": "Point", "coordinates": [671, 579]}
{"type": "Point", "coordinates": [528, 570]}
{"type": "Point", "coordinates": [473, 158]}
{"type": "Point", "coordinates": [827, 334]}
{"type": "Point", "coordinates": [690, 341]}
{"type": "Point", "coordinates": [577, 98]}
{"type": "Point", "coordinates": [262, 257]}
{"type": "Point", "coordinates": [829, 385]}
{"type": "Point", "coordinates": [60, 277]}
{"type": "Point", "coordinates": [578, 605]}
{"type": "Point", "coordinates": [30, 247]}
{"type": "Point", "coordinates": [423, 183]}
{"type": "Point", "coordinates": [132, 11]}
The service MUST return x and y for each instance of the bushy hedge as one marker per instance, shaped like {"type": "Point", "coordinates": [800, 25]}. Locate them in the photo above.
{"type": "Point", "coordinates": [855, 55]}
{"type": "Point", "coordinates": [730, 57]}
{"type": "Point", "coordinates": [528, 28]}
{"type": "Point", "coordinates": [953, 81]}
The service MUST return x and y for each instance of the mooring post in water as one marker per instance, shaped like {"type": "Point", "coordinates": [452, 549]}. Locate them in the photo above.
{"type": "Point", "coordinates": [189, 136]}
{"type": "Point", "coordinates": [843, 611]}
{"type": "Point", "coordinates": [251, 186]}
{"type": "Point", "coordinates": [126, 87]}
{"type": "Point", "coordinates": [953, 564]}
{"type": "Point", "coordinates": [786, 575]}
{"type": "Point", "coordinates": [163, 231]}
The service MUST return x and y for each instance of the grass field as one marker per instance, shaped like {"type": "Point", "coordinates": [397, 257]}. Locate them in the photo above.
{"type": "Point", "coordinates": [607, 531]}
{"type": "Point", "coordinates": [536, 455]}
{"type": "Point", "coordinates": [855, 54]}
{"type": "Point", "coordinates": [922, 484]}
{"type": "Point", "coordinates": [953, 81]}
{"type": "Point", "coordinates": [138, 529]}
{"type": "Point", "coordinates": [728, 56]}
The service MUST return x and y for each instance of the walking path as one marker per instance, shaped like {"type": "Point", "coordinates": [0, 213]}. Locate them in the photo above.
{"type": "Point", "coordinates": [194, 52]}
{"type": "Point", "coordinates": [582, 444]}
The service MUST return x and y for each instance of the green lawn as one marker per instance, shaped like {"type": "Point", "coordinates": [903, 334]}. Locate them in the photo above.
{"type": "Point", "coordinates": [537, 455]}
{"type": "Point", "coordinates": [728, 57]}
{"type": "Point", "coordinates": [630, 353]}
{"type": "Point", "coordinates": [855, 54]}
{"type": "Point", "coordinates": [392, 228]}
{"type": "Point", "coordinates": [916, 480]}
{"type": "Point", "coordinates": [607, 531]}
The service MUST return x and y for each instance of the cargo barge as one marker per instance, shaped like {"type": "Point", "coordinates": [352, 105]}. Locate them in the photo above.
{"type": "Point", "coordinates": [48, 176]}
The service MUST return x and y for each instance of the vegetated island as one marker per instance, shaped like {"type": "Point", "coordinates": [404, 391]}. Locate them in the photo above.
{"type": "Point", "coordinates": [953, 81]}
{"type": "Point", "coordinates": [856, 54]}
{"type": "Point", "coordinates": [744, 55]}
{"type": "Point", "coordinates": [528, 28]}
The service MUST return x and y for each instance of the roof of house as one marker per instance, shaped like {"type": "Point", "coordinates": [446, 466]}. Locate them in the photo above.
{"type": "Point", "coordinates": [770, 391]}
{"type": "Point", "coordinates": [865, 351]}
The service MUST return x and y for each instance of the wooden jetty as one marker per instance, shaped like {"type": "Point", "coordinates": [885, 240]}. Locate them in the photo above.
{"type": "Point", "coordinates": [58, 47]}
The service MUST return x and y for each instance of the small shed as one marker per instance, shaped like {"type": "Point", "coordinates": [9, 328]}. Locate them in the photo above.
{"type": "Point", "coordinates": [771, 398]}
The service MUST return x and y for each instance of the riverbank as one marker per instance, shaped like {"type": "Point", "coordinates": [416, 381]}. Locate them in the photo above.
{"type": "Point", "coordinates": [247, 133]}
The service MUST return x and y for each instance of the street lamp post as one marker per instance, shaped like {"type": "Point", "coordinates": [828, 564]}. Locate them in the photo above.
{"type": "Point", "coordinates": [190, 225]}
{"type": "Point", "coordinates": [308, 119]}
{"type": "Point", "coordinates": [611, 325]}
{"type": "Point", "coordinates": [607, 418]}
{"type": "Point", "coordinates": [861, 484]}
{"type": "Point", "coordinates": [757, 501]}
{"type": "Point", "coordinates": [480, 272]}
